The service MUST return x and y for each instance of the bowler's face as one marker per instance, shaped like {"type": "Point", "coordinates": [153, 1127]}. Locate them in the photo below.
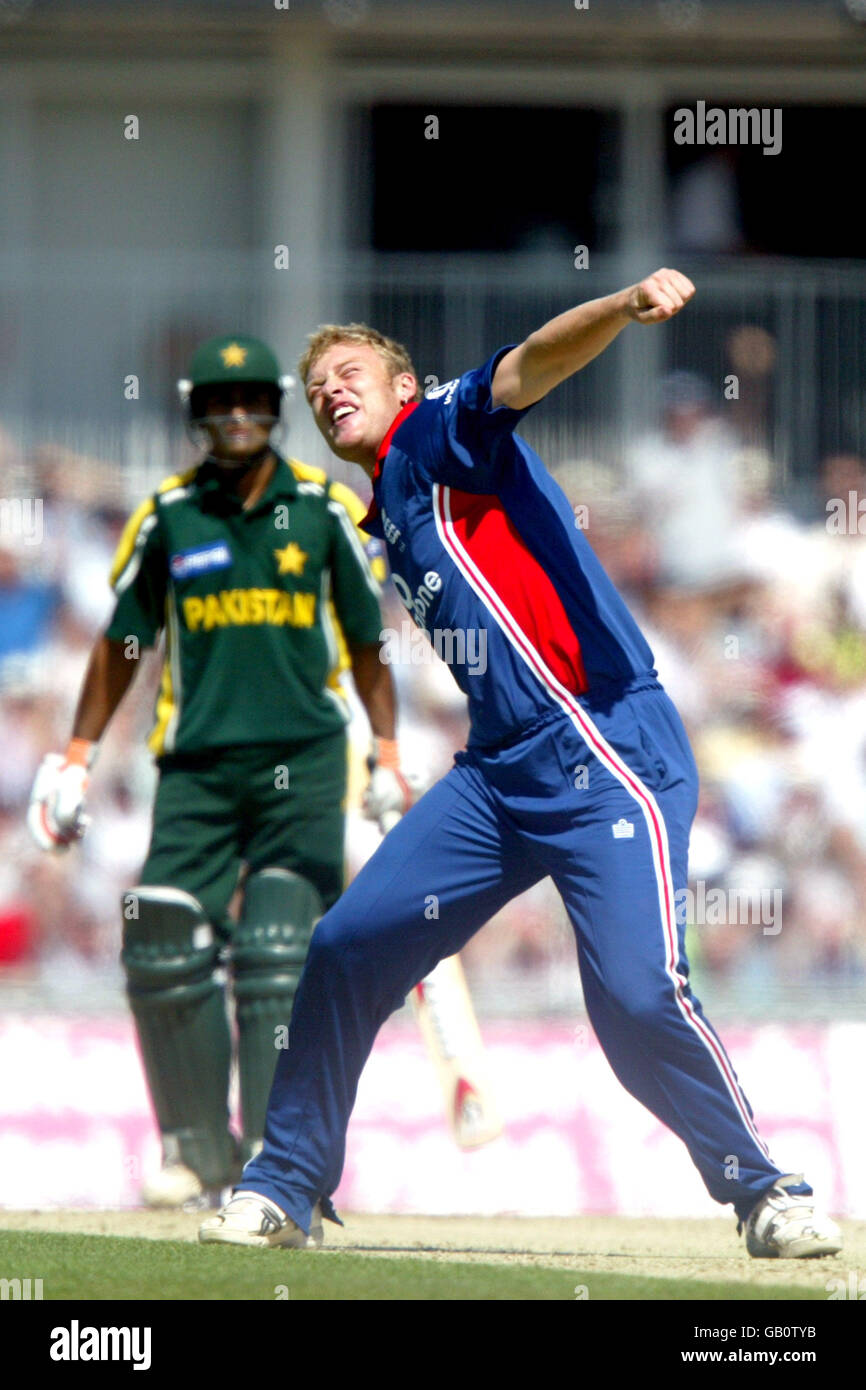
{"type": "Point", "coordinates": [354, 399]}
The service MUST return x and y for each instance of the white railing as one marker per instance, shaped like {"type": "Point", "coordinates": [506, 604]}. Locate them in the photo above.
{"type": "Point", "coordinates": [76, 328]}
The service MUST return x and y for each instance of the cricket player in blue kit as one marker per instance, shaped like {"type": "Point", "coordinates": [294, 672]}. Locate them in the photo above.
{"type": "Point", "coordinates": [577, 767]}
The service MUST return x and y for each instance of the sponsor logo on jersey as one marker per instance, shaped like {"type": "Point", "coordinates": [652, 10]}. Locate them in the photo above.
{"type": "Point", "coordinates": [447, 390]}
{"type": "Point", "coordinates": [423, 598]}
{"type": "Point", "coordinates": [248, 608]}
{"type": "Point", "coordinates": [201, 559]}
{"type": "Point", "coordinates": [392, 533]}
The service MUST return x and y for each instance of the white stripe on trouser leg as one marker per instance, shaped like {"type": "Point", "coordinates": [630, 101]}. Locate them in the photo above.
{"type": "Point", "coordinates": [664, 879]}
{"type": "Point", "coordinates": [618, 769]}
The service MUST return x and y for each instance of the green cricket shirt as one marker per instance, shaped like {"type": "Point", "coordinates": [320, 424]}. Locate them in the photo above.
{"type": "Point", "coordinates": [257, 606]}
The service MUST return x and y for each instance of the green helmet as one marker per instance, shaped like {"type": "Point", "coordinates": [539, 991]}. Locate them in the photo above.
{"type": "Point", "coordinates": [228, 360]}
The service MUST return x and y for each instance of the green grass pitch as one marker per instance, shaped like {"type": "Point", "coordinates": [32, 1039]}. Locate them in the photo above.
{"type": "Point", "coordinates": [90, 1267]}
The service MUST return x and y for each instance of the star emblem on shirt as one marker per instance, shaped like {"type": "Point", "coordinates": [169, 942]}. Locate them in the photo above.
{"type": "Point", "coordinates": [233, 355]}
{"type": "Point", "coordinates": [292, 559]}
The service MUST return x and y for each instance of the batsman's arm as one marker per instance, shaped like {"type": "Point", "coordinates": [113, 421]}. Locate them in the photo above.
{"type": "Point", "coordinates": [357, 602]}
{"type": "Point", "coordinates": [108, 677]}
{"type": "Point", "coordinates": [56, 813]}
{"type": "Point", "coordinates": [375, 687]}
{"type": "Point", "coordinates": [568, 342]}
{"type": "Point", "coordinates": [388, 794]}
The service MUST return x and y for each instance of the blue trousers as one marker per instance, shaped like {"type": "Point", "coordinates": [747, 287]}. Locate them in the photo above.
{"type": "Point", "coordinates": [601, 799]}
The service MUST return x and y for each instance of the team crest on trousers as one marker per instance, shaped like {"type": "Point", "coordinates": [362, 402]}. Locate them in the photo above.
{"type": "Point", "coordinates": [623, 829]}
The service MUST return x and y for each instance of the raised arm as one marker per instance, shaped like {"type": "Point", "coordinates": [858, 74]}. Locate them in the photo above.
{"type": "Point", "coordinates": [565, 344]}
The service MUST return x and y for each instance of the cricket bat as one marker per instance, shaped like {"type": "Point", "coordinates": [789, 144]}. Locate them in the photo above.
{"type": "Point", "coordinates": [443, 1007]}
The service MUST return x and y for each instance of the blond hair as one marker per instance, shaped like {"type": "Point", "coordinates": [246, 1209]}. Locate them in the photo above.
{"type": "Point", "coordinates": [328, 335]}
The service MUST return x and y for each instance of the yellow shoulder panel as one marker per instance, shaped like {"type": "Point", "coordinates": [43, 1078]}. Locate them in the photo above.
{"type": "Point", "coordinates": [178, 479]}
{"type": "Point", "coordinates": [350, 500]}
{"type": "Point", "coordinates": [127, 541]}
{"type": "Point", "coordinates": [307, 473]}
{"type": "Point", "coordinates": [357, 511]}
{"type": "Point", "coordinates": [126, 544]}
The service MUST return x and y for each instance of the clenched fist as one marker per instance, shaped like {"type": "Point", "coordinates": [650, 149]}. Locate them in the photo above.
{"type": "Point", "coordinates": [660, 296]}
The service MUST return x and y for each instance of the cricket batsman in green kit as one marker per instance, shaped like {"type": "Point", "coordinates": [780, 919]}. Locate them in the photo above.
{"type": "Point", "coordinates": [253, 567]}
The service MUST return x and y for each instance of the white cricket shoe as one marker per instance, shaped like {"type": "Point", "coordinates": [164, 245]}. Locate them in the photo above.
{"type": "Point", "coordinates": [250, 1219]}
{"type": "Point", "coordinates": [782, 1226]}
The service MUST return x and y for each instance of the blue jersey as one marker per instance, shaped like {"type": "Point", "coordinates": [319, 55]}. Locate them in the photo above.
{"type": "Point", "coordinates": [481, 540]}
{"type": "Point", "coordinates": [486, 555]}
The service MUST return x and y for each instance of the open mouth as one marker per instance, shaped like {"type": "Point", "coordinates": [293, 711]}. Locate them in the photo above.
{"type": "Point", "coordinates": [342, 412]}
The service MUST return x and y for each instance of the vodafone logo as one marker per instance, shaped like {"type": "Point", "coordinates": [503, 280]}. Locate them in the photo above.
{"type": "Point", "coordinates": [419, 603]}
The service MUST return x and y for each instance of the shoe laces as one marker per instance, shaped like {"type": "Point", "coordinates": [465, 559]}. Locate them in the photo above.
{"type": "Point", "coordinates": [242, 1199]}
{"type": "Point", "coordinates": [780, 1200]}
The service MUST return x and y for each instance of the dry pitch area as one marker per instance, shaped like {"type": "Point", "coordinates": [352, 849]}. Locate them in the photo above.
{"type": "Point", "coordinates": [662, 1249]}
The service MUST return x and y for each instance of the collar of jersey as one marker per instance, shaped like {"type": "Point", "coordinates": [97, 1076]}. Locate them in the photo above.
{"type": "Point", "coordinates": [382, 454]}
{"type": "Point", "coordinates": [282, 484]}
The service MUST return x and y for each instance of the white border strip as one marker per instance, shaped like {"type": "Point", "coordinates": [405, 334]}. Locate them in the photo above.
{"type": "Point", "coordinates": [339, 511]}
{"type": "Point", "coordinates": [173, 656]}
{"type": "Point", "coordinates": [129, 573]}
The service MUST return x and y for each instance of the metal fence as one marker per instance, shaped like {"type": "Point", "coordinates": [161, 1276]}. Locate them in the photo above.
{"type": "Point", "coordinates": [76, 329]}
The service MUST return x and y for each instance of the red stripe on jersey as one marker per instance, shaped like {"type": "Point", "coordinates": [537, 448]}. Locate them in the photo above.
{"type": "Point", "coordinates": [516, 577]}
{"type": "Point", "coordinates": [373, 510]}
{"type": "Point", "coordinates": [392, 430]}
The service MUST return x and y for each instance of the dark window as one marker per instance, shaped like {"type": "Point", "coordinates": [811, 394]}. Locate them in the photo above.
{"type": "Point", "coordinates": [496, 178]}
{"type": "Point", "coordinates": [798, 202]}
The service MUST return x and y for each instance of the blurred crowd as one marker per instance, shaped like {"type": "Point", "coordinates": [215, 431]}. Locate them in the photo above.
{"type": "Point", "coordinates": [756, 614]}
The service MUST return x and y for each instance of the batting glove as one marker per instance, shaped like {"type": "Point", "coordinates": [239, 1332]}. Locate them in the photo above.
{"type": "Point", "coordinates": [55, 815]}
{"type": "Point", "coordinates": [388, 795]}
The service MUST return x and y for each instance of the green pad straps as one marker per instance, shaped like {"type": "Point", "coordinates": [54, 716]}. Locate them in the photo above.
{"type": "Point", "coordinates": [270, 946]}
{"type": "Point", "coordinates": [178, 1001]}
